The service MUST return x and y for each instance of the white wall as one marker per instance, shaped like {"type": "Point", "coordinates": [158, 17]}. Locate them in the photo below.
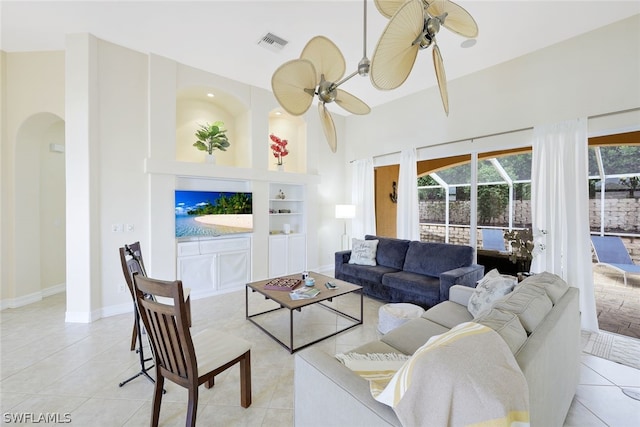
{"type": "Point", "coordinates": [590, 75]}
{"type": "Point", "coordinates": [32, 117]}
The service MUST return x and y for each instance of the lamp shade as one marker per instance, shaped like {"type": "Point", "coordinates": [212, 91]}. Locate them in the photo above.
{"type": "Point", "coordinates": [345, 211]}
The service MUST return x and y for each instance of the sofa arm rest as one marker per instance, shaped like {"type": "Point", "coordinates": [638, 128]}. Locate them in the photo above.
{"type": "Point", "coordinates": [341, 258]}
{"type": "Point", "coordinates": [460, 294]}
{"type": "Point", "coordinates": [466, 276]}
{"type": "Point", "coordinates": [344, 396]}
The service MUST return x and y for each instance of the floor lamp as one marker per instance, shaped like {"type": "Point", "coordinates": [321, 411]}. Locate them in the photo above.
{"type": "Point", "coordinates": [345, 212]}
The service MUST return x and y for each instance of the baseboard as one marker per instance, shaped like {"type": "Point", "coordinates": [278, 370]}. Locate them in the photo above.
{"type": "Point", "coordinates": [115, 310]}
{"type": "Point", "coordinates": [327, 270]}
{"type": "Point", "coordinates": [33, 297]}
{"type": "Point", "coordinates": [52, 290]}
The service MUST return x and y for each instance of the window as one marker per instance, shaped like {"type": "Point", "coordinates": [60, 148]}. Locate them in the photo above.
{"type": "Point", "coordinates": [614, 189]}
{"type": "Point", "coordinates": [503, 200]}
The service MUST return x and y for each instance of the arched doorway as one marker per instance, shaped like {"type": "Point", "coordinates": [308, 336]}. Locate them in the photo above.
{"type": "Point", "coordinates": [39, 206]}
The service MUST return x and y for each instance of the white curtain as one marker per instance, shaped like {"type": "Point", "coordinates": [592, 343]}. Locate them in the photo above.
{"type": "Point", "coordinates": [408, 222]}
{"type": "Point", "coordinates": [362, 196]}
{"type": "Point", "coordinates": [560, 207]}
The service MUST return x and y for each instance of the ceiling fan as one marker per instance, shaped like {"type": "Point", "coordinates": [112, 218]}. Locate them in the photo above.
{"type": "Point", "coordinates": [413, 26]}
{"type": "Point", "coordinates": [319, 71]}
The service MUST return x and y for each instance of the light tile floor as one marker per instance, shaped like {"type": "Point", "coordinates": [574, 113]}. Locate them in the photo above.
{"type": "Point", "coordinates": [52, 367]}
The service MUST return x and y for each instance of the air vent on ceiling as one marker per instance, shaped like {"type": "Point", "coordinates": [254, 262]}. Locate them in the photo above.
{"type": "Point", "coordinates": [272, 42]}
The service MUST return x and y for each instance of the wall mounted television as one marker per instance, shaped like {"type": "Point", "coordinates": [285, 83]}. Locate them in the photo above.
{"type": "Point", "coordinates": [212, 213]}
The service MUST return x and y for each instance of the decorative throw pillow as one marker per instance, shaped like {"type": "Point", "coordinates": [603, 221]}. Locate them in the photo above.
{"type": "Point", "coordinates": [489, 289]}
{"type": "Point", "coordinates": [363, 252]}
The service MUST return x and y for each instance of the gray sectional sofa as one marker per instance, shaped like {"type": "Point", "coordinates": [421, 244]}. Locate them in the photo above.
{"type": "Point", "coordinates": [414, 272]}
{"type": "Point", "coordinates": [548, 356]}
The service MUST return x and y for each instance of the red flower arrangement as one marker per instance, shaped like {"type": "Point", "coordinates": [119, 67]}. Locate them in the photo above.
{"type": "Point", "coordinates": [279, 148]}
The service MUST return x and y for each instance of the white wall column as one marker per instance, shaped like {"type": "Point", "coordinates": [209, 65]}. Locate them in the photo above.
{"type": "Point", "coordinates": [82, 179]}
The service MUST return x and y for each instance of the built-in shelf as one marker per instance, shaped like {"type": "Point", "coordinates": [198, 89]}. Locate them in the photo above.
{"type": "Point", "coordinates": [207, 170]}
{"type": "Point", "coordinates": [287, 250]}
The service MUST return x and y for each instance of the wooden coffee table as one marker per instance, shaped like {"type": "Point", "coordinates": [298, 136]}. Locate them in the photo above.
{"type": "Point", "coordinates": [284, 300]}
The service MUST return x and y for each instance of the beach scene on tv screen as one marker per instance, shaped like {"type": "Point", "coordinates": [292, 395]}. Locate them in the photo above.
{"type": "Point", "coordinates": [212, 213]}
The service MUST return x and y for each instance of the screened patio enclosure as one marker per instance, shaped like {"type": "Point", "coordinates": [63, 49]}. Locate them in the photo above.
{"type": "Point", "coordinates": [503, 196]}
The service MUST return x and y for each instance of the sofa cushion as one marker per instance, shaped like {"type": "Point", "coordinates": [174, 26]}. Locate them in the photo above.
{"type": "Point", "coordinates": [363, 252]}
{"type": "Point", "coordinates": [433, 259]}
{"type": "Point", "coordinates": [368, 273]}
{"type": "Point", "coordinates": [412, 335]}
{"type": "Point", "coordinates": [391, 252]}
{"type": "Point", "coordinates": [553, 285]}
{"type": "Point", "coordinates": [413, 283]}
{"type": "Point", "coordinates": [490, 288]}
{"type": "Point", "coordinates": [448, 314]}
{"type": "Point", "coordinates": [531, 305]}
{"type": "Point", "coordinates": [507, 325]}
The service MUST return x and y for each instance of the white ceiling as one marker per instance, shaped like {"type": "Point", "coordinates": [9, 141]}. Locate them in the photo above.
{"type": "Point", "coordinates": [221, 36]}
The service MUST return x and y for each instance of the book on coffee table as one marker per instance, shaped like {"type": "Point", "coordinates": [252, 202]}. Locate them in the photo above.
{"type": "Point", "coordinates": [282, 284]}
{"type": "Point", "coordinates": [304, 293]}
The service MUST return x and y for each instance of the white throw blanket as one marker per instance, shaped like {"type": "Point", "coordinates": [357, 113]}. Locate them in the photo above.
{"type": "Point", "coordinates": [466, 376]}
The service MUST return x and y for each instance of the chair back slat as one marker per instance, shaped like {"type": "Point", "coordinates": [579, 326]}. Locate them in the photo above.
{"type": "Point", "coordinates": [168, 328]}
{"type": "Point", "coordinates": [611, 250]}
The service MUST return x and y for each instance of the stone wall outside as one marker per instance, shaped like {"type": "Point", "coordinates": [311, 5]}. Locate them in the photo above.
{"type": "Point", "coordinates": [623, 215]}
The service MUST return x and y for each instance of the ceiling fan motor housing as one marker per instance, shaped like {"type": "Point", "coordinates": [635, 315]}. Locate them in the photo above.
{"type": "Point", "coordinates": [326, 91]}
{"type": "Point", "coordinates": [432, 25]}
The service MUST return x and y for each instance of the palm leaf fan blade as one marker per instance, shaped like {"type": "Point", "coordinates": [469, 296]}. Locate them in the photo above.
{"type": "Point", "coordinates": [293, 85]}
{"type": "Point", "coordinates": [458, 19]}
{"type": "Point", "coordinates": [442, 78]}
{"type": "Point", "coordinates": [328, 127]}
{"type": "Point", "coordinates": [326, 58]}
{"type": "Point", "coordinates": [351, 103]}
{"type": "Point", "coordinates": [388, 7]}
{"type": "Point", "coordinates": [396, 53]}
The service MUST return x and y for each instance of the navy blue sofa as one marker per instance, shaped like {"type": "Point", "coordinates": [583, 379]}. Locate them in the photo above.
{"type": "Point", "coordinates": [414, 272]}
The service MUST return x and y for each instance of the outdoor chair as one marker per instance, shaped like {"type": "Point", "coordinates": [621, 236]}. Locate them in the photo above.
{"type": "Point", "coordinates": [493, 239]}
{"type": "Point", "coordinates": [185, 360]}
{"type": "Point", "coordinates": [611, 252]}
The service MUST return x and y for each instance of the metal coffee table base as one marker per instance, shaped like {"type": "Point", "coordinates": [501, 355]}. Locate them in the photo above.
{"type": "Point", "coordinates": [290, 347]}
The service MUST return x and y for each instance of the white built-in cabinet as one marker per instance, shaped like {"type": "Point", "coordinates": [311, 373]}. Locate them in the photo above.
{"type": "Point", "coordinates": [287, 254]}
{"type": "Point", "coordinates": [216, 264]}
{"type": "Point", "coordinates": [287, 251]}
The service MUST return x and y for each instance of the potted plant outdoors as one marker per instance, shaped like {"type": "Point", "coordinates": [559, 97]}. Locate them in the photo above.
{"type": "Point", "coordinates": [279, 149]}
{"type": "Point", "coordinates": [212, 137]}
{"type": "Point", "coordinates": [523, 247]}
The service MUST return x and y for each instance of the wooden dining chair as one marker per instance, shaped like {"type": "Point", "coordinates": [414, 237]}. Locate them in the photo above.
{"type": "Point", "coordinates": [132, 262]}
{"type": "Point", "coordinates": [185, 360]}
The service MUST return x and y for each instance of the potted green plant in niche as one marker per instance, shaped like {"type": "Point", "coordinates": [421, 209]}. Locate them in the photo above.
{"type": "Point", "coordinates": [211, 137]}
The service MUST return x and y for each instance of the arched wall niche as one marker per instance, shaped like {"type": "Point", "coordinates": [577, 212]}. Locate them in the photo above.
{"type": "Point", "coordinates": [194, 107]}
{"type": "Point", "coordinates": [294, 130]}
{"type": "Point", "coordinates": [40, 225]}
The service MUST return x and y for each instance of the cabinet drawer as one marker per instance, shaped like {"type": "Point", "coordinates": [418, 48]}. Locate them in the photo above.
{"type": "Point", "coordinates": [224, 245]}
{"type": "Point", "coordinates": [188, 249]}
